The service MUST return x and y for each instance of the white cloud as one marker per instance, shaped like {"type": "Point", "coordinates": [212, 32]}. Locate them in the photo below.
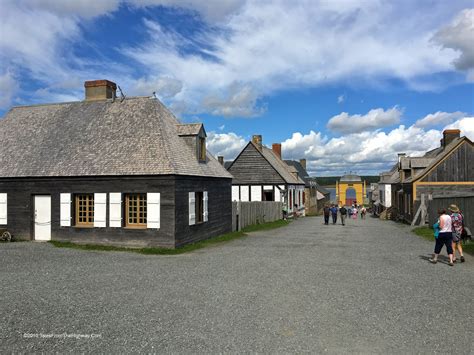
{"type": "Point", "coordinates": [211, 10]}
{"type": "Point", "coordinates": [341, 99]}
{"type": "Point", "coordinates": [268, 47]}
{"type": "Point", "coordinates": [84, 8]}
{"type": "Point", "coordinates": [466, 125]}
{"type": "Point", "coordinates": [228, 145]}
{"type": "Point", "coordinates": [460, 37]}
{"type": "Point", "coordinates": [438, 118]}
{"type": "Point", "coordinates": [366, 152]}
{"type": "Point", "coordinates": [375, 118]}
{"type": "Point", "coordinates": [8, 88]}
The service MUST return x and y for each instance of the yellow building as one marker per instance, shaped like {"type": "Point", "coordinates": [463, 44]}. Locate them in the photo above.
{"type": "Point", "coordinates": [346, 183]}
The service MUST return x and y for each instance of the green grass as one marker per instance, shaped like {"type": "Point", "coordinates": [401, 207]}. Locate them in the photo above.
{"type": "Point", "coordinates": [427, 233]}
{"type": "Point", "coordinates": [181, 250]}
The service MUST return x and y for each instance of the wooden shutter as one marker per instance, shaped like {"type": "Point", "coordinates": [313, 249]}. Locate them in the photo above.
{"type": "Point", "coordinates": [153, 210]}
{"type": "Point", "coordinates": [3, 208]}
{"type": "Point", "coordinates": [65, 210]}
{"type": "Point", "coordinates": [100, 210]}
{"type": "Point", "coordinates": [192, 208]}
{"type": "Point", "coordinates": [206, 213]}
{"type": "Point", "coordinates": [115, 209]}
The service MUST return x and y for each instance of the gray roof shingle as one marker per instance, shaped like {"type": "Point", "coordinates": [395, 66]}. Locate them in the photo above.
{"type": "Point", "coordinates": [138, 136]}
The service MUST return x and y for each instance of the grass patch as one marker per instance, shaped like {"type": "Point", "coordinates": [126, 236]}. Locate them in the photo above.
{"type": "Point", "coordinates": [424, 232]}
{"type": "Point", "coordinates": [427, 233]}
{"type": "Point", "coordinates": [181, 250]}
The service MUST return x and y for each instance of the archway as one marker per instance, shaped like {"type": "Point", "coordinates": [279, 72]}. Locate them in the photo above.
{"type": "Point", "coordinates": [351, 197]}
{"type": "Point", "coordinates": [354, 183]}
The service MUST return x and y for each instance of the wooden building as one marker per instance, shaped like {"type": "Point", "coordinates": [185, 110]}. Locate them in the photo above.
{"type": "Point", "coordinates": [310, 195]}
{"type": "Point", "coordinates": [445, 172]}
{"type": "Point", "coordinates": [261, 175]}
{"type": "Point", "coordinates": [109, 170]}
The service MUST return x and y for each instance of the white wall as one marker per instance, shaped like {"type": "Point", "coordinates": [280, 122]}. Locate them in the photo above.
{"type": "Point", "coordinates": [256, 193]}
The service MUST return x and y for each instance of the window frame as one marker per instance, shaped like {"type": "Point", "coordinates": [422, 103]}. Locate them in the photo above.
{"type": "Point", "coordinates": [141, 221]}
{"type": "Point", "coordinates": [202, 148]}
{"type": "Point", "coordinates": [89, 208]}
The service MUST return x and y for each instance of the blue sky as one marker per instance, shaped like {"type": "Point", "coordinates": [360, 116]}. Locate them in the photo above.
{"type": "Point", "coordinates": [345, 84]}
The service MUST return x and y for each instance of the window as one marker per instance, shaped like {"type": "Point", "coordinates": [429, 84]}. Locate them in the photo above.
{"type": "Point", "coordinates": [199, 207]}
{"type": "Point", "coordinates": [202, 148]}
{"type": "Point", "coordinates": [84, 204]}
{"type": "Point", "coordinates": [136, 210]}
{"type": "Point", "coordinates": [268, 195]}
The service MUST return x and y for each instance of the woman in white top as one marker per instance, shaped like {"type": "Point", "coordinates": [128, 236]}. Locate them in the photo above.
{"type": "Point", "coordinates": [445, 237]}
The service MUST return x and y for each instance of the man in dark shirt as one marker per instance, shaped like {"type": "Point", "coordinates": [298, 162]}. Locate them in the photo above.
{"type": "Point", "coordinates": [343, 212]}
{"type": "Point", "coordinates": [326, 212]}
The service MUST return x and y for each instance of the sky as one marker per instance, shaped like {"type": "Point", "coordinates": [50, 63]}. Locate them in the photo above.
{"type": "Point", "coordinates": [344, 84]}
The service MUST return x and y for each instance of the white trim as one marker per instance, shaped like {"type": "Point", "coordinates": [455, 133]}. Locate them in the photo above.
{"type": "Point", "coordinates": [3, 208]}
{"type": "Point", "coordinates": [100, 210]}
{"type": "Point", "coordinates": [192, 208]}
{"type": "Point", "coordinates": [115, 209]}
{"type": "Point", "coordinates": [153, 209]}
{"type": "Point", "coordinates": [205, 217]}
{"type": "Point", "coordinates": [65, 210]}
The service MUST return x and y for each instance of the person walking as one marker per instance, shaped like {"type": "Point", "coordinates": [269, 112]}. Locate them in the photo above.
{"type": "Point", "coordinates": [445, 237]}
{"type": "Point", "coordinates": [326, 212]}
{"type": "Point", "coordinates": [354, 213]}
{"type": "Point", "coordinates": [363, 211]}
{"type": "Point", "coordinates": [457, 220]}
{"type": "Point", "coordinates": [334, 211]}
{"type": "Point", "coordinates": [343, 212]}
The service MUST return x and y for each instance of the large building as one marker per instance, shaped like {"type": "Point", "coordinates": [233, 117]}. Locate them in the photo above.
{"type": "Point", "coordinates": [109, 170]}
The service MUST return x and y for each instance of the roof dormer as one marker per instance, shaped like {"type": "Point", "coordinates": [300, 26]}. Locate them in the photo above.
{"type": "Point", "coordinates": [194, 135]}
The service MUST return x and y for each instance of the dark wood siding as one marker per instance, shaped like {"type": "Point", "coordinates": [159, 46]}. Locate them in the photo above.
{"type": "Point", "coordinates": [444, 191]}
{"type": "Point", "coordinates": [174, 230]}
{"type": "Point", "coordinates": [252, 168]}
{"type": "Point", "coordinates": [458, 166]}
{"type": "Point", "coordinates": [21, 197]}
{"type": "Point", "coordinates": [219, 208]}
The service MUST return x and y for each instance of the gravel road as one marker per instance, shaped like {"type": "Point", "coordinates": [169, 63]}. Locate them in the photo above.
{"type": "Point", "coordinates": [366, 287]}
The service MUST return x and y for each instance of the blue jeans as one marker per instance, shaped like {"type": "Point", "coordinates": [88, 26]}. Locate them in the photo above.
{"type": "Point", "coordinates": [445, 238]}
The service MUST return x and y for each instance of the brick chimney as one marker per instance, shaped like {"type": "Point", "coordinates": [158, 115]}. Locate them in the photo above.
{"type": "Point", "coordinates": [276, 147]}
{"type": "Point", "coordinates": [449, 135]}
{"type": "Point", "coordinates": [257, 140]}
{"type": "Point", "coordinates": [100, 90]}
{"type": "Point", "coordinates": [220, 158]}
{"type": "Point", "coordinates": [303, 163]}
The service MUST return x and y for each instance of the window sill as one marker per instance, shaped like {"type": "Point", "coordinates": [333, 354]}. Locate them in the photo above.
{"type": "Point", "coordinates": [135, 227]}
{"type": "Point", "coordinates": [85, 227]}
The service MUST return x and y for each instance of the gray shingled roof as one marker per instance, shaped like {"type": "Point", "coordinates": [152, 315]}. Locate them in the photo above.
{"type": "Point", "coordinates": [138, 136]}
{"type": "Point", "coordinates": [302, 173]}
{"type": "Point", "coordinates": [350, 178]}
{"type": "Point", "coordinates": [189, 129]}
{"type": "Point", "coordinates": [280, 166]}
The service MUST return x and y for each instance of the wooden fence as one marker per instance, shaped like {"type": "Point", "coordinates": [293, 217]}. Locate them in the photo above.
{"type": "Point", "coordinates": [247, 213]}
{"type": "Point", "coordinates": [465, 204]}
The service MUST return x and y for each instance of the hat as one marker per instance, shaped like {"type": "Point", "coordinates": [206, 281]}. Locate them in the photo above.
{"type": "Point", "coordinates": [453, 208]}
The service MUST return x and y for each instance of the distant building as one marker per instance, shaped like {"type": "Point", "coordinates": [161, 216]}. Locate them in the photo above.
{"type": "Point", "coordinates": [353, 182]}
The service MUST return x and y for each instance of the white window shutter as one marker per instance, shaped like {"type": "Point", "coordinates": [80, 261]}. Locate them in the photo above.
{"type": "Point", "coordinates": [115, 209]}
{"type": "Point", "coordinates": [206, 211]}
{"type": "Point", "coordinates": [65, 210]}
{"type": "Point", "coordinates": [153, 210]}
{"type": "Point", "coordinates": [100, 210]}
{"type": "Point", "coordinates": [3, 208]}
{"type": "Point", "coordinates": [192, 208]}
